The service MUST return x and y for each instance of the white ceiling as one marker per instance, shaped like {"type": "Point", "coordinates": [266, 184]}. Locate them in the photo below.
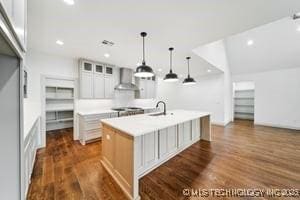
{"type": "Point", "coordinates": [184, 25]}
{"type": "Point", "coordinates": [275, 46]}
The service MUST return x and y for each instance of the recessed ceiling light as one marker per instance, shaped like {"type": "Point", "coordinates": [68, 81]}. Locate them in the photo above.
{"type": "Point", "coordinates": [159, 70]}
{"type": "Point", "coordinates": [106, 55]}
{"type": "Point", "coordinates": [69, 2]}
{"type": "Point", "coordinates": [59, 42]}
{"type": "Point", "coordinates": [250, 42]}
{"type": "Point", "coordinates": [209, 70]}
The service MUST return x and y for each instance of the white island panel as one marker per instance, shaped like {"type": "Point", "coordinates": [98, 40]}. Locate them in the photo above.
{"type": "Point", "coordinates": [130, 152]}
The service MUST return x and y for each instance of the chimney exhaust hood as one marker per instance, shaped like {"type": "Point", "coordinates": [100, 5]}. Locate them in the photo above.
{"type": "Point", "coordinates": [126, 80]}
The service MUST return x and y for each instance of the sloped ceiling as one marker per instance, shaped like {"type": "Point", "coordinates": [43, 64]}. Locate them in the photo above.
{"type": "Point", "coordinates": [184, 25]}
{"type": "Point", "coordinates": [275, 46]}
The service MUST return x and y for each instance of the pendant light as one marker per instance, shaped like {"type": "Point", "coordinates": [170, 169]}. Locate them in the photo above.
{"type": "Point", "coordinates": [171, 77]}
{"type": "Point", "coordinates": [189, 80]}
{"type": "Point", "coordinates": [144, 70]}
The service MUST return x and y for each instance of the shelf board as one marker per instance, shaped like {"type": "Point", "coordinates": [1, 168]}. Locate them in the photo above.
{"type": "Point", "coordinates": [243, 105]}
{"type": "Point", "coordinates": [244, 112]}
{"type": "Point", "coordinates": [54, 98]}
{"type": "Point", "coordinates": [244, 98]}
{"type": "Point", "coordinates": [248, 90]}
{"type": "Point", "coordinates": [60, 109]}
{"type": "Point", "coordinates": [59, 120]}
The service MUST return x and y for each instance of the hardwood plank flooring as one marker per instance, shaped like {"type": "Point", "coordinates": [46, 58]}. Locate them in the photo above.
{"type": "Point", "coordinates": [240, 156]}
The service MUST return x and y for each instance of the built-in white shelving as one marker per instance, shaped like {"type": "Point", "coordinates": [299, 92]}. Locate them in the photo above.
{"type": "Point", "coordinates": [244, 104]}
{"type": "Point", "coordinates": [59, 107]}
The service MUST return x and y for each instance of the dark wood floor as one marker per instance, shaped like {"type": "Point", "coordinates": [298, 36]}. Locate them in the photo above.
{"type": "Point", "coordinates": [240, 156]}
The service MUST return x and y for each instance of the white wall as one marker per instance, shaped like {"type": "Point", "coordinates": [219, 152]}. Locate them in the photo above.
{"type": "Point", "coordinates": [38, 64]}
{"type": "Point", "coordinates": [206, 95]}
{"type": "Point", "coordinates": [244, 85]}
{"type": "Point", "coordinates": [215, 53]}
{"type": "Point", "coordinates": [277, 97]}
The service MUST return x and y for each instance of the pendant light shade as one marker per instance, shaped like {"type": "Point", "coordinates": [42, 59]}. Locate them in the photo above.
{"type": "Point", "coordinates": [189, 80]}
{"type": "Point", "coordinates": [144, 70]}
{"type": "Point", "coordinates": [171, 77]}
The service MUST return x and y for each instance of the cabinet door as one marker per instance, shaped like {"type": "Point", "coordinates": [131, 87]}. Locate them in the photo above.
{"type": "Point", "coordinates": [99, 86]}
{"type": "Point", "coordinates": [99, 69]}
{"type": "Point", "coordinates": [86, 85]}
{"type": "Point", "coordinates": [109, 87]}
{"type": "Point", "coordinates": [87, 67]}
{"type": "Point", "coordinates": [180, 135]}
{"type": "Point", "coordinates": [172, 140]}
{"type": "Point", "coordinates": [150, 149]}
{"type": "Point", "coordinates": [143, 88]}
{"type": "Point", "coordinates": [196, 129]}
{"type": "Point", "coordinates": [109, 70]}
{"type": "Point", "coordinates": [163, 142]}
{"type": "Point", "coordinates": [187, 132]}
{"type": "Point", "coordinates": [19, 19]}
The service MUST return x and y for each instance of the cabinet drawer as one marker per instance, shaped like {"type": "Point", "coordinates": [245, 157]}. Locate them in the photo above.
{"type": "Point", "coordinates": [92, 134]}
{"type": "Point", "coordinates": [92, 124]}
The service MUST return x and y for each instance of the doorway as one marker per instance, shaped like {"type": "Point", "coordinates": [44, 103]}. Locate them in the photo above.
{"type": "Point", "coordinates": [58, 96]}
{"type": "Point", "coordinates": [244, 100]}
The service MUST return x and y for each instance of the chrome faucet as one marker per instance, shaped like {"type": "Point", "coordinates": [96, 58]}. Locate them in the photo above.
{"type": "Point", "coordinates": [165, 107]}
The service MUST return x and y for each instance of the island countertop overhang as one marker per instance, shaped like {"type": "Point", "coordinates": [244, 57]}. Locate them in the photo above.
{"type": "Point", "coordinates": [138, 125]}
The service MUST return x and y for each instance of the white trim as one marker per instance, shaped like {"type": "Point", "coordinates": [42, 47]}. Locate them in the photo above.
{"type": "Point", "coordinates": [277, 125]}
{"type": "Point", "coordinates": [218, 123]}
{"type": "Point", "coordinates": [43, 106]}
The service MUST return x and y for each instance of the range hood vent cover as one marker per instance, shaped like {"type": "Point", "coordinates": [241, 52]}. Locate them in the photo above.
{"type": "Point", "coordinates": [126, 80]}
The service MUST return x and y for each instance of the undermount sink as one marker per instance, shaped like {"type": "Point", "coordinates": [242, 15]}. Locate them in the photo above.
{"type": "Point", "coordinates": [159, 114]}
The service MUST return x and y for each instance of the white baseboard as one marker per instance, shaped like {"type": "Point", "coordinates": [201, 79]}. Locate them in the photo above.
{"type": "Point", "coordinates": [276, 125]}
{"type": "Point", "coordinates": [220, 123]}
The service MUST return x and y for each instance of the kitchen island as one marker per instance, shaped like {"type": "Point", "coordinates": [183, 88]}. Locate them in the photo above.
{"type": "Point", "coordinates": [135, 145]}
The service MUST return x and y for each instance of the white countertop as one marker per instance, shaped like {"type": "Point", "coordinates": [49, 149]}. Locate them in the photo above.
{"type": "Point", "coordinates": [137, 125]}
{"type": "Point", "coordinates": [95, 112]}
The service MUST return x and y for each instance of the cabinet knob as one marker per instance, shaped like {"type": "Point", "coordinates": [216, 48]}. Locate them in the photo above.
{"type": "Point", "coordinates": [108, 137]}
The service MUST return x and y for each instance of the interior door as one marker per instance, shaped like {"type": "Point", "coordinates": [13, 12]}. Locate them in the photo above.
{"type": "Point", "coordinates": [10, 128]}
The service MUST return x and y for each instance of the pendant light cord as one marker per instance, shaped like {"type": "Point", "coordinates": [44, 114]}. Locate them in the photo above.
{"type": "Point", "coordinates": [144, 51]}
{"type": "Point", "coordinates": [171, 60]}
{"type": "Point", "coordinates": [188, 62]}
{"type": "Point", "coordinates": [171, 54]}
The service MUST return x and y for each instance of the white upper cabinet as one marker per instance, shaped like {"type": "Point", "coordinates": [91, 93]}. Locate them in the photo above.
{"type": "Point", "coordinates": [147, 88]}
{"type": "Point", "coordinates": [16, 12]}
{"type": "Point", "coordinates": [99, 90]}
{"type": "Point", "coordinates": [86, 85]}
{"type": "Point", "coordinates": [109, 87]}
{"type": "Point", "coordinates": [97, 80]}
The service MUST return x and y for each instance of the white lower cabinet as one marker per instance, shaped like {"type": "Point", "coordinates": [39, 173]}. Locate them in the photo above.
{"type": "Point", "coordinates": [172, 139]}
{"type": "Point", "coordinates": [163, 142]}
{"type": "Point", "coordinates": [90, 128]}
{"type": "Point", "coordinates": [196, 129]}
{"type": "Point", "coordinates": [149, 149]}
{"type": "Point", "coordinates": [156, 147]}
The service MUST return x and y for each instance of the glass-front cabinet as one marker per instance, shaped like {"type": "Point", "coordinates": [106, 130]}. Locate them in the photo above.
{"type": "Point", "coordinates": [15, 12]}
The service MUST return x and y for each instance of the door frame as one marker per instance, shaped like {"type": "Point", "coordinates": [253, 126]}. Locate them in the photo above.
{"type": "Point", "coordinates": [43, 106]}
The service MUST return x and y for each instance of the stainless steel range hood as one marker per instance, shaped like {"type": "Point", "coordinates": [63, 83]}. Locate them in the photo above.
{"type": "Point", "coordinates": [126, 80]}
